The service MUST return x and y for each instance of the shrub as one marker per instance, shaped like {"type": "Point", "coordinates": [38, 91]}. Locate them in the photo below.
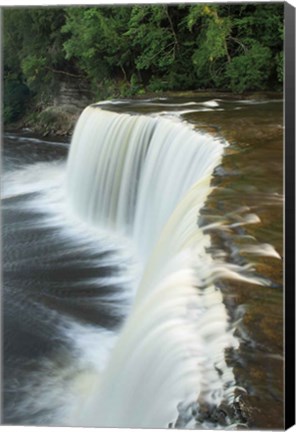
{"type": "Point", "coordinates": [251, 70]}
{"type": "Point", "coordinates": [16, 97]}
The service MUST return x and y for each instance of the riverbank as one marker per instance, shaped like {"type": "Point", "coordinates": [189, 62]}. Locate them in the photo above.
{"type": "Point", "coordinates": [60, 120]}
{"type": "Point", "coordinates": [52, 121]}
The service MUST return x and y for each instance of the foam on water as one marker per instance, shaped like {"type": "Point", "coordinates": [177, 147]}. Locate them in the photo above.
{"type": "Point", "coordinates": [148, 178]}
{"type": "Point", "coordinates": [135, 186]}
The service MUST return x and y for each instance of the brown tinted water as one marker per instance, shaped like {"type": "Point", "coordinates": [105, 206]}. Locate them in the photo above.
{"type": "Point", "coordinates": [250, 177]}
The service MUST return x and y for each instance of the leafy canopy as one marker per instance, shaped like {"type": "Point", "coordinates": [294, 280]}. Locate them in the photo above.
{"type": "Point", "coordinates": [123, 50]}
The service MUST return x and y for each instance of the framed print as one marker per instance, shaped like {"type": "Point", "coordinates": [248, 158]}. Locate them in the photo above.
{"type": "Point", "coordinates": [148, 215]}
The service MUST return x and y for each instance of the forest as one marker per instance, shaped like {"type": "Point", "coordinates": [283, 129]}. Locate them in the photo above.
{"type": "Point", "coordinates": [132, 50]}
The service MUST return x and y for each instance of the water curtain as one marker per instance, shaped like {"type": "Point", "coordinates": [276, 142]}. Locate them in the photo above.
{"type": "Point", "coordinates": [146, 178]}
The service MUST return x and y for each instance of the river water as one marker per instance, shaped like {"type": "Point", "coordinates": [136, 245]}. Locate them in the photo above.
{"type": "Point", "coordinates": [51, 305]}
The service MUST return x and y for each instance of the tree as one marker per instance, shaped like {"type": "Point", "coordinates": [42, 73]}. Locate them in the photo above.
{"type": "Point", "coordinates": [97, 43]}
{"type": "Point", "coordinates": [123, 50]}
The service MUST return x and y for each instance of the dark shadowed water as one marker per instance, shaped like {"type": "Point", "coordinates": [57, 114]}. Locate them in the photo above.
{"type": "Point", "coordinates": [53, 282]}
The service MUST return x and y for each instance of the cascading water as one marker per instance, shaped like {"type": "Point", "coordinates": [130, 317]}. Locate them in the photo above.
{"type": "Point", "coordinates": [147, 179]}
{"type": "Point", "coordinates": [128, 173]}
{"type": "Point", "coordinates": [126, 216]}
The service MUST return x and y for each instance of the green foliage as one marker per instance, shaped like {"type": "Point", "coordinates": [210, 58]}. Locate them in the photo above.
{"type": "Point", "coordinates": [96, 41]}
{"type": "Point", "coordinates": [16, 95]}
{"type": "Point", "coordinates": [152, 40]}
{"type": "Point", "coordinates": [123, 50]}
{"type": "Point", "coordinates": [250, 71]}
{"type": "Point", "coordinates": [33, 42]}
{"type": "Point", "coordinates": [32, 67]}
{"type": "Point", "coordinates": [212, 47]}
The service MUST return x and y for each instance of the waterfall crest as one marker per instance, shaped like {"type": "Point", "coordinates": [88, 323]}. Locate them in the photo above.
{"type": "Point", "coordinates": [147, 178]}
{"type": "Point", "coordinates": [128, 172]}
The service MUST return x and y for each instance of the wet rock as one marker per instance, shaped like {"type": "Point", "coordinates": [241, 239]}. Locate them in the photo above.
{"type": "Point", "coordinates": [223, 415]}
{"type": "Point", "coordinates": [186, 414]}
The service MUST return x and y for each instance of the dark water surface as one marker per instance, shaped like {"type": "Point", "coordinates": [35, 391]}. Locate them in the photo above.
{"type": "Point", "coordinates": [250, 180]}
{"type": "Point", "coordinates": [54, 286]}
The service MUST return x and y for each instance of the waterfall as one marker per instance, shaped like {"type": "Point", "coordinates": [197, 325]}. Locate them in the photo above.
{"type": "Point", "coordinates": [146, 178]}
{"type": "Point", "coordinates": [128, 173]}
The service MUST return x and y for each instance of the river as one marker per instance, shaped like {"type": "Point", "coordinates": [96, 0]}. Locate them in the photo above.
{"type": "Point", "coordinates": [52, 308]}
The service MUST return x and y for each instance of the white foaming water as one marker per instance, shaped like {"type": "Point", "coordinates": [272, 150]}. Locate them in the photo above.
{"type": "Point", "coordinates": [139, 183]}
{"type": "Point", "coordinates": [31, 179]}
{"type": "Point", "coordinates": [128, 173]}
{"type": "Point", "coordinates": [148, 178]}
